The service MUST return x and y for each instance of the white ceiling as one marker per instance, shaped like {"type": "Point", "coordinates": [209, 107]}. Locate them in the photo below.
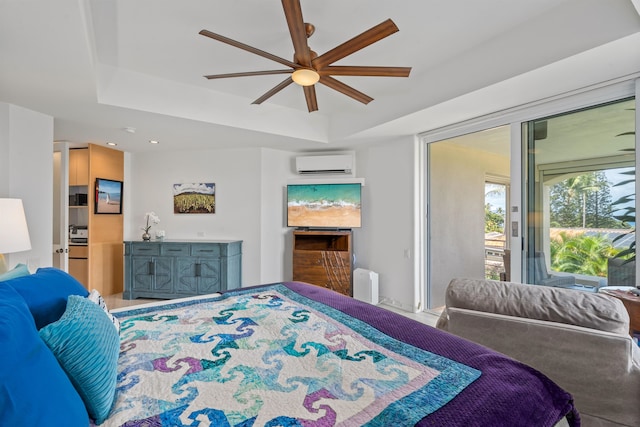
{"type": "Point", "coordinates": [99, 66]}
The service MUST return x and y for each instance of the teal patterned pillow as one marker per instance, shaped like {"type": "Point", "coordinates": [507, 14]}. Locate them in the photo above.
{"type": "Point", "coordinates": [87, 346]}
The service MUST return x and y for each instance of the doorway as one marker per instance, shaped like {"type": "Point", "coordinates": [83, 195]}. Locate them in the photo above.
{"type": "Point", "coordinates": [61, 205]}
{"type": "Point", "coordinates": [496, 218]}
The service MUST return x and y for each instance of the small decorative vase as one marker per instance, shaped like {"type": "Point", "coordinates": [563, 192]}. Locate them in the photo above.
{"type": "Point", "coordinates": [146, 236]}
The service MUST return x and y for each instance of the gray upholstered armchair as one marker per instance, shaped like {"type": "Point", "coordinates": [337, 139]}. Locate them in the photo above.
{"type": "Point", "coordinates": [578, 339]}
{"type": "Point", "coordinates": [544, 277]}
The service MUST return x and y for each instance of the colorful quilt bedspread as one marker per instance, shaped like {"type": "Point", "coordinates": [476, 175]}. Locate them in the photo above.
{"type": "Point", "coordinates": [295, 354]}
{"type": "Point", "coordinates": [271, 357]}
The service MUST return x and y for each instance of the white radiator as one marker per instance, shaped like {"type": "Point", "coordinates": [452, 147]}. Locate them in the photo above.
{"type": "Point", "coordinates": [365, 285]}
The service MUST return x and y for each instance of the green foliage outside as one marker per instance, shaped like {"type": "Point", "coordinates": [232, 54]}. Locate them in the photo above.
{"type": "Point", "coordinates": [493, 221]}
{"type": "Point", "coordinates": [584, 201]}
{"type": "Point", "coordinates": [492, 272]}
{"type": "Point", "coordinates": [626, 212]}
{"type": "Point", "coordinates": [581, 254]}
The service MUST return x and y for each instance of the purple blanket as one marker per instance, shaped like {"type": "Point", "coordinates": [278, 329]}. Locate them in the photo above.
{"type": "Point", "coordinates": [507, 393]}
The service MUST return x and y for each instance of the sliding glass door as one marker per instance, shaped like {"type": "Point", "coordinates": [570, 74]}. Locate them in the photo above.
{"type": "Point", "coordinates": [569, 179]}
{"type": "Point", "coordinates": [580, 186]}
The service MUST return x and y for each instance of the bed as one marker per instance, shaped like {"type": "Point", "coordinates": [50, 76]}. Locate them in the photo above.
{"type": "Point", "coordinates": [294, 354]}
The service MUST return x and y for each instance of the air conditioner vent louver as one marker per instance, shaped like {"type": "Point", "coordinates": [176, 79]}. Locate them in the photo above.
{"type": "Point", "coordinates": [340, 164]}
{"type": "Point", "coordinates": [329, 171]}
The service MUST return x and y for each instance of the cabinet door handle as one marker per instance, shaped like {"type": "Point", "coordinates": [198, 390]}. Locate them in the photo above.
{"type": "Point", "coordinates": [174, 250]}
{"type": "Point", "coordinates": [152, 268]}
{"type": "Point", "coordinates": [198, 270]}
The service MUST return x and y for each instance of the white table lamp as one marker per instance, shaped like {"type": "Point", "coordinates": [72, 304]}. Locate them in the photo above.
{"type": "Point", "coordinates": [14, 234]}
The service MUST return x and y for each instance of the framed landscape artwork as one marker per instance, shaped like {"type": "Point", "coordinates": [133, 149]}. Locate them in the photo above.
{"type": "Point", "coordinates": [108, 198]}
{"type": "Point", "coordinates": [194, 198]}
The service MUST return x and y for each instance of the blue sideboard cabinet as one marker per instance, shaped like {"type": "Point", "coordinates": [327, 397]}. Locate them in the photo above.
{"type": "Point", "coordinates": [177, 268]}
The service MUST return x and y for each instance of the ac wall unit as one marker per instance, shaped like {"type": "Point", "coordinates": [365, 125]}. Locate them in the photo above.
{"type": "Point", "coordinates": [333, 164]}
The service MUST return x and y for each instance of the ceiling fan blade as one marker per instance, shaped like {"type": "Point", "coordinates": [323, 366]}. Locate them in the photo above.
{"type": "Point", "coordinates": [248, 48]}
{"type": "Point", "coordinates": [293, 13]}
{"type": "Point", "coordinates": [336, 70]}
{"type": "Point", "coordinates": [273, 91]}
{"type": "Point", "coordinates": [247, 74]}
{"type": "Point", "coordinates": [347, 90]}
{"type": "Point", "coordinates": [310, 96]}
{"type": "Point", "coordinates": [361, 41]}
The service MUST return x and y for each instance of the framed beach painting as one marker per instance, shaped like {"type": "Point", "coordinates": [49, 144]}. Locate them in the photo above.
{"type": "Point", "coordinates": [108, 198]}
{"type": "Point", "coordinates": [195, 198]}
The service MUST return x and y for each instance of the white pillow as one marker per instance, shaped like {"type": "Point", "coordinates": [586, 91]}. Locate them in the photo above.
{"type": "Point", "coordinates": [97, 298]}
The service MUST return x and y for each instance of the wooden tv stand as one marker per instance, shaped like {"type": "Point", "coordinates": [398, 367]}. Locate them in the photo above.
{"type": "Point", "coordinates": [324, 258]}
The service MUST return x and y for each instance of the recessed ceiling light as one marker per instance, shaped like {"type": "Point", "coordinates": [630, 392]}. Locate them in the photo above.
{"type": "Point", "coordinates": [130, 130]}
{"type": "Point", "coordinates": [113, 144]}
{"type": "Point", "coordinates": [153, 141]}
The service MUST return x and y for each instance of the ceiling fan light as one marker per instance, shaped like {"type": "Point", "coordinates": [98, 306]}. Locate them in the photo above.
{"type": "Point", "coordinates": [305, 77]}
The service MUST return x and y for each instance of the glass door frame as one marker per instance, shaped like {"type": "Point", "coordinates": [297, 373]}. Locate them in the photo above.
{"type": "Point", "coordinates": [516, 118]}
{"type": "Point", "coordinates": [61, 206]}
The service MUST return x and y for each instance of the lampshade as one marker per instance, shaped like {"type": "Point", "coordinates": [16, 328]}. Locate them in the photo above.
{"type": "Point", "coordinates": [305, 77]}
{"type": "Point", "coordinates": [14, 235]}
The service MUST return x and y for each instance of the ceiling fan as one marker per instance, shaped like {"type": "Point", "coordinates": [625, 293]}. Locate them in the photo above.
{"type": "Point", "coordinates": [307, 68]}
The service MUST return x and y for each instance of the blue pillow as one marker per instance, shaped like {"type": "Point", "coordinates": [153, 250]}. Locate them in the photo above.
{"type": "Point", "coordinates": [46, 292]}
{"type": "Point", "coordinates": [87, 347]}
{"type": "Point", "coordinates": [34, 390]}
{"type": "Point", "coordinates": [19, 270]}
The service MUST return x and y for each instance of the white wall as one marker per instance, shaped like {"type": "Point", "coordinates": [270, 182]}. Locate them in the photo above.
{"type": "Point", "coordinates": [249, 204]}
{"type": "Point", "coordinates": [385, 242]}
{"type": "Point", "coordinates": [5, 176]}
{"type": "Point", "coordinates": [456, 203]}
{"type": "Point", "coordinates": [276, 241]}
{"type": "Point", "coordinates": [26, 172]}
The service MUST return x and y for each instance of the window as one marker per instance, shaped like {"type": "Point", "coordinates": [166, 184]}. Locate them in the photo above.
{"type": "Point", "coordinates": [581, 197]}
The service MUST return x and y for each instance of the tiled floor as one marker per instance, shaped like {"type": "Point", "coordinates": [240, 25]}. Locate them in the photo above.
{"type": "Point", "coordinates": [116, 301]}
{"type": "Point", "coordinates": [430, 318]}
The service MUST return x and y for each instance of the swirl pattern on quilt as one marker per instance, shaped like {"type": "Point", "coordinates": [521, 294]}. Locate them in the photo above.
{"type": "Point", "coordinates": [270, 357]}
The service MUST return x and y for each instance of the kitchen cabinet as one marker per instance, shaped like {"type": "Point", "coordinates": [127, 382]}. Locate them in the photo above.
{"type": "Point", "coordinates": [79, 167]}
{"type": "Point", "coordinates": [100, 266]}
{"type": "Point", "coordinates": [79, 263]}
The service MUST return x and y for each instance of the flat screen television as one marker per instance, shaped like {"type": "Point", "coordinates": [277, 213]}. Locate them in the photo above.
{"type": "Point", "coordinates": [331, 206]}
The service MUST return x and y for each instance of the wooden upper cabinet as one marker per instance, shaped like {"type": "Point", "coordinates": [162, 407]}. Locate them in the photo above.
{"type": "Point", "coordinates": [79, 166]}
